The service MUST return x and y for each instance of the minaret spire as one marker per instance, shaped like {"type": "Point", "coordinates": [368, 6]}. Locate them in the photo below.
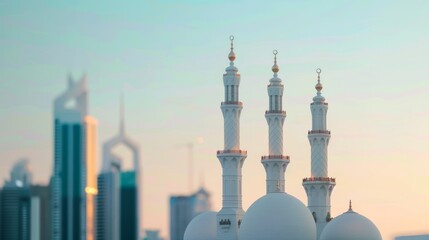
{"type": "Point", "coordinates": [275, 68]}
{"type": "Point", "coordinates": [318, 86]}
{"type": "Point", "coordinates": [318, 74]}
{"type": "Point", "coordinates": [319, 186]}
{"type": "Point", "coordinates": [231, 55]}
{"type": "Point", "coordinates": [232, 157]}
{"type": "Point", "coordinates": [275, 162]}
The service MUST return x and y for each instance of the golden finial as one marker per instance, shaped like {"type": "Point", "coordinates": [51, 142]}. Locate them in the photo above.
{"type": "Point", "coordinates": [318, 85]}
{"type": "Point", "coordinates": [231, 55]}
{"type": "Point", "coordinates": [350, 205]}
{"type": "Point", "coordinates": [275, 68]}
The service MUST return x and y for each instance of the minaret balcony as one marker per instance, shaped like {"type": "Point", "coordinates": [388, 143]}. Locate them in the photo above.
{"type": "Point", "coordinates": [319, 103]}
{"type": "Point", "coordinates": [282, 157]}
{"type": "Point", "coordinates": [232, 103]}
{"type": "Point", "coordinates": [319, 179]}
{"type": "Point", "coordinates": [275, 111]}
{"type": "Point", "coordinates": [232, 152]}
{"type": "Point", "coordinates": [319, 131]}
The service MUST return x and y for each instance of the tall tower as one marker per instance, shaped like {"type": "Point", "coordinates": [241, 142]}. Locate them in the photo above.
{"type": "Point", "coordinates": [319, 186]}
{"type": "Point", "coordinates": [74, 181]}
{"type": "Point", "coordinates": [15, 203]}
{"type": "Point", "coordinates": [118, 199]}
{"type": "Point", "coordinates": [275, 163]}
{"type": "Point", "coordinates": [231, 158]}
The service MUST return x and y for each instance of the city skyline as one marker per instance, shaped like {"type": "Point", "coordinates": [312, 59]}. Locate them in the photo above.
{"type": "Point", "coordinates": [373, 63]}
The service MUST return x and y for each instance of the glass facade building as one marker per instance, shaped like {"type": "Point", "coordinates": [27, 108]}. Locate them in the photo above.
{"type": "Point", "coordinates": [184, 208]}
{"type": "Point", "coordinates": [73, 182]}
{"type": "Point", "coordinates": [128, 209]}
{"type": "Point", "coordinates": [118, 200]}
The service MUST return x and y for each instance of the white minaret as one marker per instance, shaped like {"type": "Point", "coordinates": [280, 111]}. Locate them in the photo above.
{"type": "Point", "coordinates": [319, 186]}
{"type": "Point", "coordinates": [231, 158]}
{"type": "Point", "coordinates": [275, 163]}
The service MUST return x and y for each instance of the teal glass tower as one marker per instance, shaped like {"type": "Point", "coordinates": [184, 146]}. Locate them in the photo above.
{"type": "Point", "coordinates": [73, 182]}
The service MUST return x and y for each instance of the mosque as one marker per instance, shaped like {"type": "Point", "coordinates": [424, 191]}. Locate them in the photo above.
{"type": "Point", "coordinates": [277, 215]}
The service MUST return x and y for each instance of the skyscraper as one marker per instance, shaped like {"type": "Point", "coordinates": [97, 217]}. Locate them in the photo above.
{"type": "Point", "coordinates": [183, 208]}
{"type": "Point", "coordinates": [107, 211]}
{"type": "Point", "coordinates": [74, 180]}
{"type": "Point", "coordinates": [118, 199]}
{"type": "Point", "coordinates": [129, 216]}
{"type": "Point", "coordinates": [40, 212]}
{"type": "Point", "coordinates": [15, 212]}
{"type": "Point", "coordinates": [24, 208]}
{"type": "Point", "coordinates": [20, 174]}
{"type": "Point", "coordinates": [15, 203]}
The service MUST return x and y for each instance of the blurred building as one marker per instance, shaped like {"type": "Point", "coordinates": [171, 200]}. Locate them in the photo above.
{"type": "Point", "coordinates": [107, 211]}
{"type": "Point", "coordinates": [74, 181]}
{"type": "Point", "coordinates": [118, 197]}
{"type": "Point", "coordinates": [152, 235]}
{"type": "Point", "coordinates": [40, 212]}
{"type": "Point", "coordinates": [184, 208]}
{"type": "Point", "coordinates": [414, 237]}
{"type": "Point", "coordinates": [24, 208]}
{"type": "Point", "coordinates": [15, 213]}
{"type": "Point", "coordinates": [15, 203]}
{"type": "Point", "coordinates": [129, 205]}
{"type": "Point", "coordinates": [21, 174]}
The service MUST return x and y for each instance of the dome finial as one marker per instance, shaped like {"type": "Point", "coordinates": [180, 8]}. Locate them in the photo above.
{"type": "Point", "coordinates": [231, 55]}
{"type": "Point", "coordinates": [318, 86]}
{"type": "Point", "coordinates": [350, 205]}
{"type": "Point", "coordinates": [275, 68]}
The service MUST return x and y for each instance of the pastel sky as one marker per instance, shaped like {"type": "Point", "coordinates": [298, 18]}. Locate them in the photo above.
{"type": "Point", "coordinates": [168, 58]}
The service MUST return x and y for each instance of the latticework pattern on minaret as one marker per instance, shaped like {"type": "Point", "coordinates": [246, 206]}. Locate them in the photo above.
{"type": "Point", "coordinates": [231, 128]}
{"type": "Point", "coordinates": [319, 161]}
{"type": "Point", "coordinates": [275, 135]}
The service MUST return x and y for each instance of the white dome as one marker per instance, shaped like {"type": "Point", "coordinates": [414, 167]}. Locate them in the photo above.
{"type": "Point", "coordinates": [203, 226]}
{"type": "Point", "coordinates": [278, 216]}
{"type": "Point", "coordinates": [350, 226]}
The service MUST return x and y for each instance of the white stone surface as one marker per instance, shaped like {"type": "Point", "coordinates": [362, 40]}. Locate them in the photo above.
{"type": "Point", "coordinates": [319, 186]}
{"type": "Point", "coordinates": [231, 158]}
{"type": "Point", "coordinates": [275, 170]}
{"type": "Point", "coordinates": [319, 154]}
{"type": "Point", "coordinates": [275, 163]}
{"type": "Point", "coordinates": [202, 227]}
{"type": "Point", "coordinates": [231, 115]}
{"type": "Point", "coordinates": [275, 133]}
{"type": "Point", "coordinates": [350, 226]}
{"type": "Point", "coordinates": [278, 216]}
